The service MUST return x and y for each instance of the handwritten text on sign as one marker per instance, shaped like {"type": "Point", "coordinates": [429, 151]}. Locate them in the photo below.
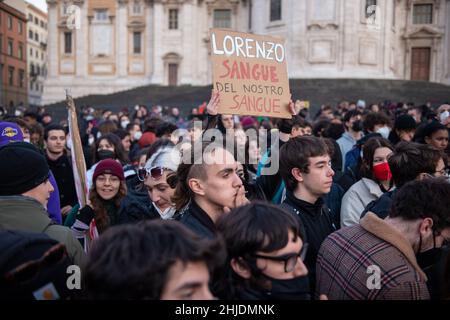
{"type": "Point", "coordinates": [250, 73]}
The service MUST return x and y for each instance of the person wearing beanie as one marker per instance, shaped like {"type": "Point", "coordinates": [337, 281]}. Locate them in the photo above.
{"type": "Point", "coordinates": [403, 130]}
{"type": "Point", "coordinates": [11, 132]}
{"type": "Point", "coordinates": [105, 196]}
{"type": "Point", "coordinates": [24, 193]}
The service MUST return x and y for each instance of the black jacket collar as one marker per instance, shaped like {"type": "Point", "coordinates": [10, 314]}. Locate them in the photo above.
{"type": "Point", "coordinates": [202, 216]}
{"type": "Point", "coordinates": [313, 209]}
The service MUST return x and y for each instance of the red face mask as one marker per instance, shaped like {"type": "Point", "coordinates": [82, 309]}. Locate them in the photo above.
{"type": "Point", "coordinates": [382, 172]}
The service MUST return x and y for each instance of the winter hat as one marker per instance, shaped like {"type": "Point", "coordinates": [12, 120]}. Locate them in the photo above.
{"type": "Point", "coordinates": [147, 139]}
{"type": "Point", "coordinates": [22, 168]}
{"type": "Point", "coordinates": [10, 132]}
{"type": "Point", "coordinates": [405, 122]}
{"type": "Point", "coordinates": [109, 166]}
{"type": "Point", "coordinates": [167, 157]}
{"type": "Point", "coordinates": [247, 122]}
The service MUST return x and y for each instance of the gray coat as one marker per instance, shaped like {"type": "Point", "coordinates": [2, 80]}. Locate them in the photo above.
{"type": "Point", "coordinates": [27, 214]}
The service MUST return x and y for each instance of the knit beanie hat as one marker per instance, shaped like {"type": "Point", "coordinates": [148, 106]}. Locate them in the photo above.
{"type": "Point", "coordinates": [22, 168]}
{"type": "Point", "coordinates": [109, 166]}
{"type": "Point", "coordinates": [10, 132]}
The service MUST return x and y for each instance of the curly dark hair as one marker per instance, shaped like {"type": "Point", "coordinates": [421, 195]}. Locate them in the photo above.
{"type": "Point", "coordinates": [98, 205]}
{"type": "Point", "coordinates": [428, 198]}
{"type": "Point", "coordinates": [133, 262]}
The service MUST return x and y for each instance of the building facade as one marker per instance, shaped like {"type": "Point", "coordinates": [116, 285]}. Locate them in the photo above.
{"type": "Point", "coordinates": [13, 54]}
{"type": "Point", "coordinates": [37, 53]}
{"type": "Point", "coordinates": [104, 46]}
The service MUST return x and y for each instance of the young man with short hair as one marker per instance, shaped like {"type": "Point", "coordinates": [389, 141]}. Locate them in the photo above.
{"type": "Point", "coordinates": [61, 166]}
{"type": "Point", "coordinates": [208, 185]}
{"type": "Point", "coordinates": [24, 193]}
{"type": "Point", "coordinates": [156, 260]}
{"type": "Point", "coordinates": [305, 166]}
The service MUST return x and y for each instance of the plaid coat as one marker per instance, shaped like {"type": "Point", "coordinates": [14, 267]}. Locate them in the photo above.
{"type": "Point", "coordinates": [344, 257]}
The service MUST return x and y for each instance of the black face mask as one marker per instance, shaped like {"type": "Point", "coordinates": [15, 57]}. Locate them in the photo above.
{"type": "Point", "coordinates": [290, 289]}
{"type": "Point", "coordinates": [105, 154]}
{"type": "Point", "coordinates": [357, 125]}
{"type": "Point", "coordinates": [429, 258]}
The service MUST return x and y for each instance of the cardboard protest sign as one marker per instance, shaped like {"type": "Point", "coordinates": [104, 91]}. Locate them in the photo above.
{"type": "Point", "coordinates": [250, 72]}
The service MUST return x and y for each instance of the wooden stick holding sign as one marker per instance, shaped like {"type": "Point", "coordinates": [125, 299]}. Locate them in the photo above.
{"type": "Point", "coordinates": [250, 72]}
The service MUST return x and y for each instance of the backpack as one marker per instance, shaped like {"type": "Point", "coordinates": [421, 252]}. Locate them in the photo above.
{"type": "Point", "coordinates": [44, 280]}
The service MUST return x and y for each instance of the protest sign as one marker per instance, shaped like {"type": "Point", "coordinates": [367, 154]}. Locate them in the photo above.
{"type": "Point", "coordinates": [250, 72]}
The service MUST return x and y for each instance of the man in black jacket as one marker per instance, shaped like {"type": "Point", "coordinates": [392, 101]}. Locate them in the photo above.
{"type": "Point", "coordinates": [59, 163]}
{"type": "Point", "coordinates": [305, 166]}
{"type": "Point", "coordinates": [208, 186]}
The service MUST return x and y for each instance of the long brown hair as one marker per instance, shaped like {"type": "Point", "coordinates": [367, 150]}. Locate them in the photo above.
{"type": "Point", "coordinates": [101, 216]}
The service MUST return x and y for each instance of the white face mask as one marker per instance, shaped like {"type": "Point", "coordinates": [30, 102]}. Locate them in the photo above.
{"type": "Point", "coordinates": [69, 143]}
{"type": "Point", "coordinates": [137, 135]}
{"type": "Point", "coordinates": [91, 140]}
{"type": "Point", "coordinates": [384, 131]}
{"type": "Point", "coordinates": [444, 115]}
{"type": "Point", "coordinates": [166, 214]}
{"type": "Point", "coordinates": [26, 140]}
{"type": "Point", "coordinates": [124, 124]}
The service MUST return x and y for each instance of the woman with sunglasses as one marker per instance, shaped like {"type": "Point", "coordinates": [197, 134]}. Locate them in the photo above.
{"type": "Point", "coordinates": [105, 197]}
{"type": "Point", "coordinates": [158, 178]}
{"type": "Point", "coordinates": [265, 255]}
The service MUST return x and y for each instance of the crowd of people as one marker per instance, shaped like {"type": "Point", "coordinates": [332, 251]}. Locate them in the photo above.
{"type": "Point", "coordinates": [184, 207]}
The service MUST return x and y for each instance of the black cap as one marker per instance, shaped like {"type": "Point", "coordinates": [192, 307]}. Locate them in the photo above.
{"type": "Point", "coordinates": [22, 168]}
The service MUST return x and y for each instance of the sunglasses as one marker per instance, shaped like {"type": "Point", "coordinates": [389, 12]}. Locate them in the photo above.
{"type": "Point", "coordinates": [154, 172]}
{"type": "Point", "coordinates": [28, 270]}
{"type": "Point", "coordinates": [290, 260]}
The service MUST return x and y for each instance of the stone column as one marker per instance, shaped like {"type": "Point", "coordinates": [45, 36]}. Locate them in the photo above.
{"type": "Point", "coordinates": [122, 39]}
{"type": "Point", "coordinates": [81, 42]}
{"type": "Point", "coordinates": [148, 40]}
{"type": "Point", "coordinates": [52, 40]}
{"type": "Point", "coordinates": [158, 28]}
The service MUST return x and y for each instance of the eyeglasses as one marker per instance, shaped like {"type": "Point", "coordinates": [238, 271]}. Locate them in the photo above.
{"type": "Point", "coordinates": [155, 172]}
{"type": "Point", "coordinates": [29, 270]}
{"type": "Point", "coordinates": [290, 260]}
